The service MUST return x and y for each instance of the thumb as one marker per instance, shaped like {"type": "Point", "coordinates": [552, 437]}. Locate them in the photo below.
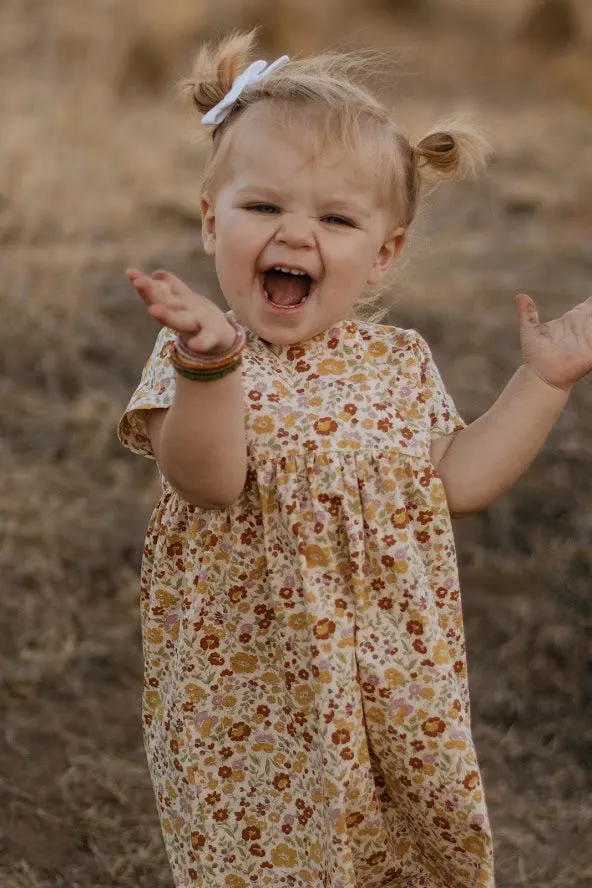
{"type": "Point", "coordinates": [528, 316]}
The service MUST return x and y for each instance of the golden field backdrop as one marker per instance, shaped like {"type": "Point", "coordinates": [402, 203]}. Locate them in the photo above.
{"type": "Point", "coordinates": [99, 165]}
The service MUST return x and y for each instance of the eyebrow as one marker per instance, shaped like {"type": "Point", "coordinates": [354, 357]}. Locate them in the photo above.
{"type": "Point", "coordinates": [247, 190]}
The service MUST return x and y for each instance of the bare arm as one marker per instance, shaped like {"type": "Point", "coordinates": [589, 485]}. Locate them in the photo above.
{"type": "Point", "coordinates": [484, 460]}
{"type": "Point", "coordinates": [199, 441]}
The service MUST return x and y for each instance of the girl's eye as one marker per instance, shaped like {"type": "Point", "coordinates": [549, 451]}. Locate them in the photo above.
{"type": "Point", "coordinates": [338, 220]}
{"type": "Point", "coordinates": [266, 209]}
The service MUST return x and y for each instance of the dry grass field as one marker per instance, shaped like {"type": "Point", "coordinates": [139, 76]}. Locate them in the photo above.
{"type": "Point", "coordinates": [98, 170]}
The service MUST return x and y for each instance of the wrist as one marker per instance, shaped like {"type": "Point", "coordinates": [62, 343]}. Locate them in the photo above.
{"type": "Point", "coordinates": [537, 377]}
{"type": "Point", "coordinates": [223, 347]}
{"type": "Point", "coordinates": [207, 366]}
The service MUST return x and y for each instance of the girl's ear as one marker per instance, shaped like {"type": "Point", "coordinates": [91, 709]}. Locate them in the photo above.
{"type": "Point", "coordinates": [208, 225]}
{"type": "Point", "coordinates": [387, 255]}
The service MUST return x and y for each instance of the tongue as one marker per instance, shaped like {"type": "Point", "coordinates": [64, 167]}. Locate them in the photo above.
{"type": "Point", "coordinates": [286, 289]}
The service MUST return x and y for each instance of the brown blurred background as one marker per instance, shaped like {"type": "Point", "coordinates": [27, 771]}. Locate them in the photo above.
{"type": "Point", "coordinates": [98, 170]}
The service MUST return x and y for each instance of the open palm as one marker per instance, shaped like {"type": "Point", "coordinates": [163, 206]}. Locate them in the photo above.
{"type": "Point", "coordinates": [559, 351]}
{"type": "Point", "coordinates": [173, 304]}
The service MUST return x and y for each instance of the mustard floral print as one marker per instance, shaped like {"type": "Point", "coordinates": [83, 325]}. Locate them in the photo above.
{"type": "Point", "coordinates": [306, 708]}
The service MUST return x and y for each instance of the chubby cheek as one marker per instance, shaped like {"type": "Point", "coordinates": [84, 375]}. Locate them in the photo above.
{"type": "Point", "coordinates": [238, 246]}
{"type": "Point", "coordinates": [228, 273]}
{"type": "Point", "coordinates": [350, 275]}
{"type": "Point", "coordinates": [235, 270]}
{"type": "Point", "coordinates": [228, 240]}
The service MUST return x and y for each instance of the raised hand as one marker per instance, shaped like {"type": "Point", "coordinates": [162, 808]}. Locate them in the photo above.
{"type": "Point", "coordinates": [201, 324]}
{"type": "Point", "coordinates": [559, 351]}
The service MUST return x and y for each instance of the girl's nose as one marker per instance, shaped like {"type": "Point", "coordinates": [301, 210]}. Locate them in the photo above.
{"type": "Point", "coordinates": [296, 232]}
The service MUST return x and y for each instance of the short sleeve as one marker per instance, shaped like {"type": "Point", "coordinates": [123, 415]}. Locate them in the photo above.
{"type": "Point", "coordinates": [444, 417]}
{"type": "Point", "coordinates": [155, 391]}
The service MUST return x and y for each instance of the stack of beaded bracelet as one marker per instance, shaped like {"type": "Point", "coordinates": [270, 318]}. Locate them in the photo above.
{"type": "Point", "coordinates": [204, 367]}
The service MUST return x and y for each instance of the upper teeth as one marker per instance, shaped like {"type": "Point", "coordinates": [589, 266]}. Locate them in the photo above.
{"type": "Point", "coordinates": [288, 270]}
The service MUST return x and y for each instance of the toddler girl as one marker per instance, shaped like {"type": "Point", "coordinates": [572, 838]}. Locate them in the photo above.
{"type": "Point", "coordinates": [306, 708]}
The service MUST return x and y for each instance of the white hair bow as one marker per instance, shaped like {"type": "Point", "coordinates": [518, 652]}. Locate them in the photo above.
{"type": "Point", "coordinates": [255, 72]}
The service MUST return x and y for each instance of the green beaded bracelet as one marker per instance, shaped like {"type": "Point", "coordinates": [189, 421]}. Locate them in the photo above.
{"type": "Point", "coordinates": [207, 375]}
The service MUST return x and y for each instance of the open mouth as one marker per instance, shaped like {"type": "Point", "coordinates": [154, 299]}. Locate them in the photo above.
{"type": "Point", "coordinates": [286, 288]}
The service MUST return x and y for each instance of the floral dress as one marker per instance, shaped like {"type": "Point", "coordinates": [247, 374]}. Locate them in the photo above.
{"type": "Point", "coordinates": [306, 708]}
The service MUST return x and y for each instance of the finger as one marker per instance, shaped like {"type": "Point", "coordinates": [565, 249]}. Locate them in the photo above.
{"type": "Point", "coordinates": [161, 275]}
{"type": "Point", "coordinates": [154, 292]}
{"type": "Point", "coordinates": [147, 291]}
{"type": "Point", "coordinates": [142, 284]}
{"type": "Point", "coordinates": [202, 341]}
{"type": "Point", "coordinates": [177, 318]}
{"type": "Point", "coordinates": [166, 277]}
{"type": "Point", "coordinates": [528, 315]}
{"type": "Point", "coordinates": [168, 317]}
{"type": "Point", "coordinates": [178, 287]}
{"type": "Point", "coordinates": [584, 306]}
{"type": "Point", "coordinates": [137, 278]}
{"type": "Point", "coordinates": [134, 275]}
{"type": "Point", "coordinates": [209, 338]}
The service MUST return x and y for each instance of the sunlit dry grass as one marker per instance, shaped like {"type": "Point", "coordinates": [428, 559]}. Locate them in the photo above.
{"type": "Point", "coordinates": [99, 166]}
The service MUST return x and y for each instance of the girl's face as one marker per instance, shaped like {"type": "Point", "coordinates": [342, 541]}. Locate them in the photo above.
{"type": "Point", "coordinates": [278, 208]}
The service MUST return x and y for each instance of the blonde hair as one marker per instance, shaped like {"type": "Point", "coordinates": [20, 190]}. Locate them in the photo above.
{"type": "Point", "coordinates": [326, 95]}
